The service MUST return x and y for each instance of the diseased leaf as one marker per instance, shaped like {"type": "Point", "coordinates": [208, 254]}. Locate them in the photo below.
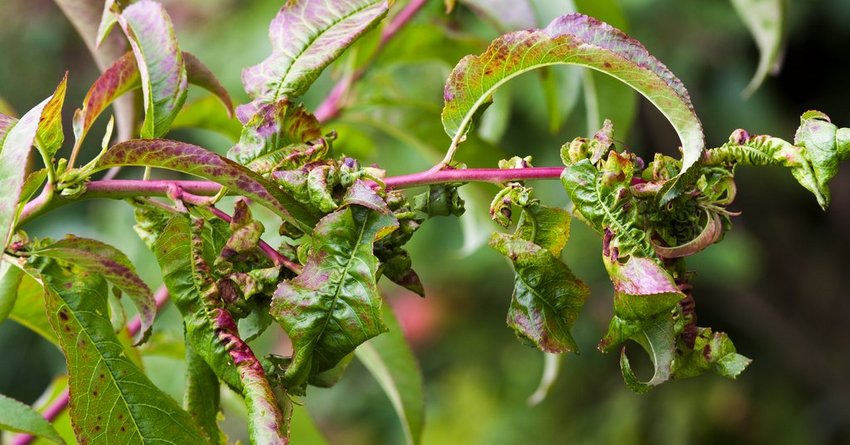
{"type": "Point", "coordinates": [197, 161]}
{"type": "Point", "coordinates": [160, 61]}
{"type": "Point", "coordinates": [333, 305]}
{"type": "Point", "coordinates": [50, 136]}
{"type": "Point", "coordinates": [18, 417]}
{"type": "Point", "coordinates": [275, 131]}
{"type": "Point", "coordinates": [306, 36]}
{"type": "Point", "coordinates": [6, 122]}
{"type": "Point", "coordinates": [389, 359]}
{"type": "Point", "coordinates": [577, 40]}
{"type": "Point", "coordinates": [712, 351]}
{"type": "Point", "coordinates": [124, 75]}
{"type": "Point", "coordinates": [10, 280]}
{"type": "Point", "coordinates": [14, 154]}
{"type": "Point", "coordinates": [766, 22]}
{"type": "Point", "coordinates": [111, 399]}
{"type": "Point", "coordinates": [547, 297]}
{"type": "Point", "coordinates": [111, 264]}
{"type": "Point", "coordinates": [642, 288]}
{"type": "Point", "coordinates": [657, 337]}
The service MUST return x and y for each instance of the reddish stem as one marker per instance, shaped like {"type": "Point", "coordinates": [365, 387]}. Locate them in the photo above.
{"type": "Point", "coordinates": [495, 175]}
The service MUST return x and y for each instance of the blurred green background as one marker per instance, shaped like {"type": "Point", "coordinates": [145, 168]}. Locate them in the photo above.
{"type": "Point", "coordinates": [778, 284]}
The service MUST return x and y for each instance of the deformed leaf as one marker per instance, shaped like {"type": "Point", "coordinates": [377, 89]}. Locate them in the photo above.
{"type": "Point", "coordinates": [306, 36]}
{"type": "Point", "coordinates": [547, 297]}
{"type": "Point", "coordinates": [573, 39]}
{"type": "Point", "coordinates": [642, 288]}
{"type": "Point", "coordinates": [14, 154]}
{"type": "Point", "coordinates": [198, 161]}
{"type": "Point", "coordinates": [389, 359]}
{"type": "Point", "coordinates": [333, 305]}
{"type": "Point", "coordinates": [18, 417]}
{"type": "Point", "coordinates": [657, 337]}
{"type": "Point", "coordinates": [160, 61]}
{"type": "Point", "coordinates": [111, 399]}
{"type": "Point", "coordinates": [712, 351]}
{"type": "Point", "coordinates": [111, 264]}
{"type": "Point", "coordinates": [766, 22]}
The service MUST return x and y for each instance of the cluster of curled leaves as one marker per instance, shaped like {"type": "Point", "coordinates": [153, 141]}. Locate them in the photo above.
{"type": "Point", "coordinates": [343, 228]}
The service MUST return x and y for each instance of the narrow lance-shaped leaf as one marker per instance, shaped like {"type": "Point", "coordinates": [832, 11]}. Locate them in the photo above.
{"type": "Point", "coordinates": [18, 417]}
{"type": "Point", "coordinates": [766, 22]}
{"type": "Point", "coordinates": [114, 266]}
{"type": "Point", "coordinates": [211, 329]}
{"type": "Point", "coordinates": [85, 15]}
{"type": "Point", "coordinates": [389, 358]}
{"type": "Point", "coordinates": [197, 161]}
{"type": "Point", "coordinates": [29, 309]}
{"type": "Point", "coordinates": [123, 76]}
{"type": "Point", "coordinates": [111, 399]}
{"type": "Point", "coordinates": [333, 305]}
{"type": "Point", "coordinates": [306, 36]}
{"type": "Point", "coordinates": [203, 393]}
{"type": "Point", "coordinates": [160, 61]}
{"type": "Point", "coordinates": [10, 280]}
{"type": "Point", "coordinates": [573, 39]}
{"type": "Point", "coordinates": [14, 154]}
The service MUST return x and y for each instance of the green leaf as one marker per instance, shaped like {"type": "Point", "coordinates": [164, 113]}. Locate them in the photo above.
{"type": "Point", "coordinates": [603, 207]}
{"type": "Point", "coordinates": [573, 39]}
{"type": "Point", "coordinates": [657, 337]}
{"type": "Point", "coordinates": [18, 417]}
{"type": "Point", "coordinates": [29, 309]}
{"type": "Point", "coordinates": [712, 351]}
{"type": "Point", "coordinates": [551, 370]}
{"type": "Point", "coordinates": [206, 114]}
{"type": "Point", "coordinates": [10, 280]}
{"type": "Point", "coordinates": [389, 359]}
{"type": "Point", "coordinates": [198, 74]}
{"type": "Point", "coordinates": [111, 264]}
{"type": "Point", "coordinates": [15, 152]}
{"type": "Point", "coordinates": [766, 22]}
{"type": "Point", "coordinates": [642, 288]}
{"type": "Point", "coordinates": [6, 122]}
{"type": "Point", "coordinates": [50, 136]}
{"type": "Point", "coordinates": [111, 399]}
{"type": "Point", "coordinates": [547, 297]}
{"type": "Point", "coordinates": [197, 161]}
{"type": "Point", "coordinates": [306, 36]}
{"type": "Point", "coordinates": [202, 397]}
{"type": "Point", "coordinates": [333, 305]}
{"type": "Point", "coordinates": [275, 131]}
{"type": "Point", "coordinates": [161, 66]}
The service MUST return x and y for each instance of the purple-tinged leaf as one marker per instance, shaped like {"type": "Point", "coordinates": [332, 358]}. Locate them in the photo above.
{"type": "Point", "coordinates": [572, 39]}
{"type": "Point", "coordinates": [306, 36]}
{"type": "Point", "coordinates": [391, 362]}
{"type": "Point", "coordinates": [6, 122]}
{"type": "Point", "coordinates": [111, 264]}
{"type": "Point", "coordinates": [333, 305]}
{"type": "Point", "coordinates": [198, 74]}
{"type": "Point", "coordinates": [160, 62]}
{"type": "Point", "coordinates": [547, 297]}
{"type": "Point", "coordinates": [124, 76]}
{"type": "Point", "coordinates": [197, 161]}
{"type": "Point", "coordinates": [211, 330]}
{"type": "Point", "coordinates": [110, 396]}
{"type": "Point", "coordinates": [14, 154]}
{"type": "Point", "coordinates": [642, 288]}
{"type": "Point", "coordinates": [85, 16]}
{"type": "Point", "coordinates": [273, 132]}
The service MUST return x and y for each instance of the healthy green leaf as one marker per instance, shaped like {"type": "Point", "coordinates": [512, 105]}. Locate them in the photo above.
{"type": "Point", "coordinates": [547, 297]}
{"type": "Point", "coordinates": [389, 359]}
{"type": "Point", "coordinates": [111, 399]}
{"type": "Point", "coordinates": [202, 397]}
{"type": "Point", "coordinates": [766, 22]}
{"type": "Point", "coordinates": [197, 161]}
{"type": "Point", "coordinates": [577, 40]}
{"type": "Point", "coordinates": [160, 61]}
{"type": "Point", "coordinates": [111, 264]}
{"type": "Point", "coordinates": [206, 114]}
{"type": "Point", "coordinates": [10, 280]}
{"type": "Point", "coordinates": [16, 416]}
{"type": "Point", "coordinates": [333, 305]}
{"type": "Point", "coordinates": [29, 309]}
{"type": "Point", "coordinates": [15, 152]}
{"type": "Point", "coordinates": [306, 36]}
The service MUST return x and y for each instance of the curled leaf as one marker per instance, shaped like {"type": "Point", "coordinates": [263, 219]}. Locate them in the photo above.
{"type": "Point", "coordinates": [766, 22]}
{"type": "Point", "coordinates": [710, 234]}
